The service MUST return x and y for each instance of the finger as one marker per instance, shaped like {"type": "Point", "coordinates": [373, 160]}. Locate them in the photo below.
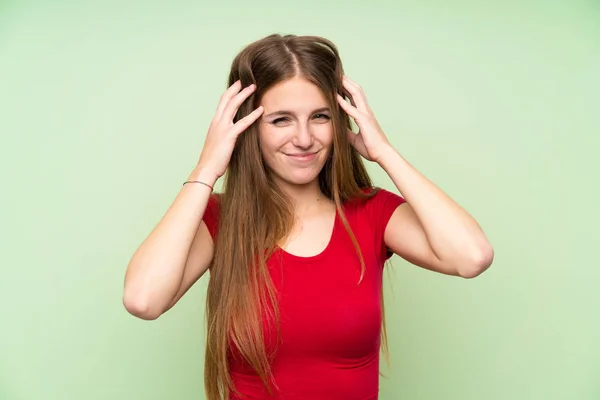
{"type": "Point", "coordinates": [350, 81]}
{"type": "Point", "coordinates": [350, 110]}
{"type": "Point", "coordinates": [225, 97]}
{"type": "Point", "coordinates": [248, 120]}
{"type": "Point", "coordinates": [360, 94]}
{"type": "Point", "coordinates": [235, 103]}
{"type": "Point", "coordinates": [357, 94]}
{"type": "Point", "coordinates": [349, 97]}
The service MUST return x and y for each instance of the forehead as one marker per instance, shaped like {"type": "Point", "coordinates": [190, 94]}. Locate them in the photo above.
{"type": "Point", "coordinates": [296, 94]}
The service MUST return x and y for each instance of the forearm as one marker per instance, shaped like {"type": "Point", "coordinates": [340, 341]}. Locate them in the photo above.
{"type": "Point", "coordinates": [156, 269]}
{"type": "Point", "coordinates": [453, 234]}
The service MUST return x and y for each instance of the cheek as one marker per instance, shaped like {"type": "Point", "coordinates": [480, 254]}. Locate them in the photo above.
{"type": "Point", "coordinates": [265, 139]}
{"type": "Point", "coordinates": [324, 133]}
{"type": "Point", "coordinates": [274, 138]}
{"type": "Point", "coordinates": [270, 141]}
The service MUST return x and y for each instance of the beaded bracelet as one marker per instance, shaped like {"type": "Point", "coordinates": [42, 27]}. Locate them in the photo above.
{"type": "Point", "coordinates": [200, 182]}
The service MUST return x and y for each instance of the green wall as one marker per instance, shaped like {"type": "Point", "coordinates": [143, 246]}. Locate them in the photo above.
{"type": "Point", "coordinates": [103, 110]}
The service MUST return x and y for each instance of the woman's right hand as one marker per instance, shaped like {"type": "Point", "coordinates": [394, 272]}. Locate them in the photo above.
{"type": "Point", "coordinates": [223, 133]}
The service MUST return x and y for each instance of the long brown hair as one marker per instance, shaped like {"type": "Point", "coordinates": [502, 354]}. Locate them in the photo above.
{"type": "Point", "coordinates": [255, 214]}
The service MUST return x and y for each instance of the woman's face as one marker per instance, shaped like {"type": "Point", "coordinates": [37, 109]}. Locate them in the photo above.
{"type": "Point", "coordinates": [295, 131]}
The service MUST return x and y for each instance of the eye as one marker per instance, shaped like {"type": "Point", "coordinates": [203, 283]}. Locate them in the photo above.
{"type": "Point", "coordinates": [322, 118]}
{"type": "Point", "coordinates": [280, 120]}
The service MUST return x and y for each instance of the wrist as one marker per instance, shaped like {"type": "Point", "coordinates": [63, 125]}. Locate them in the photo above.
{"type": "Point", "coordinates": [388, 157]}
{"type": "Point", "coordinates": [204, 175]}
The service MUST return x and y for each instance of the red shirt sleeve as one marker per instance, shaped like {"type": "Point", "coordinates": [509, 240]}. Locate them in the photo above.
{"type": "Point", "coordinates": [211, 215]}
{"type": "Point", "coordinates": [383, 206]}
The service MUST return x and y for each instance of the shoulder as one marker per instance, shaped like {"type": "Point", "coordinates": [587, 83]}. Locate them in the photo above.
{"type": "Point", "coordinates": [374, 207]}
{"type": "Point", "coordinates": [369, 212]}
{"type": "Point", "coordinates": [373, 200]}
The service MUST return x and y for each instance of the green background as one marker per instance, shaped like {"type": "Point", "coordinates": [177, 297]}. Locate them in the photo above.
{"type": "Point", "coordinates": [103, 109]}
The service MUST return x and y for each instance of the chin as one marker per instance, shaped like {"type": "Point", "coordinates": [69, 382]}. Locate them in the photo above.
{"type": "Point", "coordinates": [298, 178]}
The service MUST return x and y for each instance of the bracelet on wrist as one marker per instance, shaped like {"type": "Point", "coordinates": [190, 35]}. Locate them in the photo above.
{"type": "Point", "coordinates": [200, 182]}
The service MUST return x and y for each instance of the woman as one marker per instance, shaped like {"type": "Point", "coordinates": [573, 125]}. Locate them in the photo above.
{"type": "Point", "coordinates": [297, 240]}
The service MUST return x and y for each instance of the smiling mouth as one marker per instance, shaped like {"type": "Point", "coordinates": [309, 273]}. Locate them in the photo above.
{"type": "Point", "coordinates": [303, 156]}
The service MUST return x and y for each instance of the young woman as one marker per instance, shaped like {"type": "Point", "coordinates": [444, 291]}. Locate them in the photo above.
{"type": "Point", "coordinates": [297, 240]}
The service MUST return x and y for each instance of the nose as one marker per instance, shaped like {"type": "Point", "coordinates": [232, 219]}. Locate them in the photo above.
{"type": "Point", "coordinates": [303, 137]}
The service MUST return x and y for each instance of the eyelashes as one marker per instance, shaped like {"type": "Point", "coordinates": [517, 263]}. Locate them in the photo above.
{"type": "Point", "coordinates": [281, 120]}
{"type": "Point", "coordinates": [323, 116]}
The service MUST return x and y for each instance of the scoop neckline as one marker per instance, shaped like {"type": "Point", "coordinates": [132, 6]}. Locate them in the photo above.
{"type": "Point", "coordinates": [323, 253]}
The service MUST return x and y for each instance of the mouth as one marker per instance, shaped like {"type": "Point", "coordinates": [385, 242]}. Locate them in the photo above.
{"type": "Point", "coordinates": [303, 156]}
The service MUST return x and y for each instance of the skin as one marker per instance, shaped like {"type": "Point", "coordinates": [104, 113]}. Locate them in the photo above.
{"type": "Point", "coordinates": [296, 136]}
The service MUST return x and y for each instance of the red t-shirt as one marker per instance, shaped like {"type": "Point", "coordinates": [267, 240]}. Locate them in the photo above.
{"type": "Point", "coordinates": [330, 325]}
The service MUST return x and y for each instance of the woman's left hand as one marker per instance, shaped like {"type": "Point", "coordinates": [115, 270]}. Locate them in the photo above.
{"type": "Point", "coordinates": [370, 141]}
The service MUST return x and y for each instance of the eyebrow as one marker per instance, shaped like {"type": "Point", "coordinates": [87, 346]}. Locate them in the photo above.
{"type": "Point", "coordinates": [286, 112]}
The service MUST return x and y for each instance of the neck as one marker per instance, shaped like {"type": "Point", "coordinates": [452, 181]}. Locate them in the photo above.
{"type": "Point", "coordinates": [307, 199]}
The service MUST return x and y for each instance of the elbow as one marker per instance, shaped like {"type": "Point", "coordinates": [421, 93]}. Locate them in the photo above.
{"type": "Point", "coordinates": [479, 261]}
{"type": "Point", "coordinates": [139, 306]}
